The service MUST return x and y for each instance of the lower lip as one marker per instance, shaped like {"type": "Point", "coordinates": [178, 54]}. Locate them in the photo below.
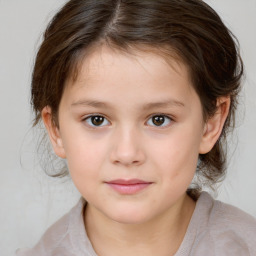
{"type": "Point", "coordinates": [129, 189]}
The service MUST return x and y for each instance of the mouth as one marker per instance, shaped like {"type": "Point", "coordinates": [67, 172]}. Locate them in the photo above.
{"type": "Point", "coordinates": [128, 187]}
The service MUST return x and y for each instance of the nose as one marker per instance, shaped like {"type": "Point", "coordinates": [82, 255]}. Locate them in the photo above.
{"type": "Point", "coordinates": [128, 148]}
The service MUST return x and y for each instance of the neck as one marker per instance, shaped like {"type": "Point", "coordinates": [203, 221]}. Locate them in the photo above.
{"type": "Point", "coordinates": [160, 236]}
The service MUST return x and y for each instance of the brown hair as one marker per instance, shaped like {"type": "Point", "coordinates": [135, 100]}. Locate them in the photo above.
{"type": "Point", "coordinates": [190, 28]}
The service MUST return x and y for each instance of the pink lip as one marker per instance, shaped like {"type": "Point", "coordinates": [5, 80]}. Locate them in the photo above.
{"type": "Point", "coordinates": [128, 187]}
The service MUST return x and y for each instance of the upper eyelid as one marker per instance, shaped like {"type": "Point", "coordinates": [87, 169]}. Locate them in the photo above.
{"type": "Point", "coordinates": [164, 115]}
{"type": "Point", "coordinates": [161, 114]}
{"type": "Point", "coordinates": [154, 114]}
{"type": "Point", "coordinates": [84, 119]}
{"type": "Point", "coordinates": [94, 114]}
{"type": "Point", "coordinates": [172, 118]}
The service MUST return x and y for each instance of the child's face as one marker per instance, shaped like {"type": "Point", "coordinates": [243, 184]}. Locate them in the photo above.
{"type": "Point", "coordinates": [148, 128]}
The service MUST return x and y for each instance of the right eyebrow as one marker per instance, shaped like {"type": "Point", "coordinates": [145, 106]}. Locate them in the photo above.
{"type": "Point", "coordinates": [90, 103]}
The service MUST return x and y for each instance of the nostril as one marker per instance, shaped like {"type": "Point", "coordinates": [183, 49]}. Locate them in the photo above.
{"type": "Point", "coordinates": [127, 158]}
{"type": "Point", "coordinates": [127, 148]}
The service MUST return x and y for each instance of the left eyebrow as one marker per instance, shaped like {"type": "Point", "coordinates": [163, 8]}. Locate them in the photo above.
{"type": "Point", "coordinates": [164, 104]}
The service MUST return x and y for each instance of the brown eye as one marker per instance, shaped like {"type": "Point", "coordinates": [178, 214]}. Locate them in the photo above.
{"type": "Point", "coordinates": [96, 121]}
{"type": "Point", "coordinates": [159, 120]}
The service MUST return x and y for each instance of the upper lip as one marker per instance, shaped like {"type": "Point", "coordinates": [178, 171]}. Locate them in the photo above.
{"type": "Point", "coordinates": [128, 182]}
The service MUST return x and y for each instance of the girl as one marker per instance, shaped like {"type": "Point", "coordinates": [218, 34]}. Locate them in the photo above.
{"type": "Point", "coordinates": [138, 96]}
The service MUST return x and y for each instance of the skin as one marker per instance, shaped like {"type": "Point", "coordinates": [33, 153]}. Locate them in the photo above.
{"type": "Point", "coordinates": [128, 90]}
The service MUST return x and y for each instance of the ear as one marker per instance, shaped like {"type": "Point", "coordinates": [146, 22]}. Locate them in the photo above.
{"type": "Point", "coordinates": [214, 125]}
{"type": "Point", "coordinates": [53, 132]}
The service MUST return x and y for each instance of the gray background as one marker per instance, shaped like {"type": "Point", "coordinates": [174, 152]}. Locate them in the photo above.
{"type": "Point", "coordinates": [29, 200]}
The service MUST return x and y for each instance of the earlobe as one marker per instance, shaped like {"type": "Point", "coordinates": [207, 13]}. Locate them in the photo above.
{"type": "Point", "coordinates": [53, 132]}
{"type": "Point", "coordinates": [214, 125]}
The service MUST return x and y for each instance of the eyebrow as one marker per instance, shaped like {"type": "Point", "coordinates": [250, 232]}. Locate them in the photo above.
{"type": "Point", "coordinates": [167, 103]}
{"type": "Point", "coordinates": [90, 103]}
{"type": "Point", "coordinates": [150, 105]}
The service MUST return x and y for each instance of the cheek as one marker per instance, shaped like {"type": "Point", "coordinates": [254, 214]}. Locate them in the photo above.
{"type": "Point", "coordinates": [178, 167]}
{"type": "Point", "coordinates": [84, 155]}
{"type": "Point", "coordinates": [85, 161]}
{"type": "Point", "coordinates": [178, 154]}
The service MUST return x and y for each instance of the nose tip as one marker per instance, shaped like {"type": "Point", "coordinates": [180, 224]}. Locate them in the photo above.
{"type": "Point", "coordinates": [128, 151]}
{"type": "Point", "coordinates": [127, 160]}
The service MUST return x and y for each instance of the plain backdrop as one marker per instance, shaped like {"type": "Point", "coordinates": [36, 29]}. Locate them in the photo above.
{"type": "Point", "coordinates": [29, 200]}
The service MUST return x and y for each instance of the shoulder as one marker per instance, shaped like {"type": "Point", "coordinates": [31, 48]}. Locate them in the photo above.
{"type": "Point", "coordinates": [58, 239]}
{"type": "Point", "coordinates": [225, 228]}
{"type": "Point", "coordinates": [223, 216]}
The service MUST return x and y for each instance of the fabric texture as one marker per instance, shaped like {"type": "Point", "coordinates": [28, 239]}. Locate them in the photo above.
{"type": "Point", "coordinates": [215, 229]}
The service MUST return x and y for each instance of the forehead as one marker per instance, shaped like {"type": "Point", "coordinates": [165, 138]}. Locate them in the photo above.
{"type": "Point", "coordinates": [136, 60]}
{"type": "Point", "coordinates": [114, 74]}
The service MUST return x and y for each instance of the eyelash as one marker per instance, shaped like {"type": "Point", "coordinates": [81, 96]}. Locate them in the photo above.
{"type": "Point", "coordinates": [94, 115]}
{"type": "Point", "coordinates": [166, 117]}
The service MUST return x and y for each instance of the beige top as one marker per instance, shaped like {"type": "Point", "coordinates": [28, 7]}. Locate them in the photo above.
{"type": "Point", "coordinates": [215, 229]}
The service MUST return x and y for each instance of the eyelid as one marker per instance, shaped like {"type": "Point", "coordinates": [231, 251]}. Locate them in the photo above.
{"type": "Point", "coordinates": [84, 119]}
{"type": "Point", "coordinates": [168, 116]}
{"type": "Point", "coordinates": [171, 118]}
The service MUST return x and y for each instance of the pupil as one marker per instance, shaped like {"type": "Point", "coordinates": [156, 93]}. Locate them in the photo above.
{"type": "Point", "coordinates": [97, 120]}
{"type": "Point", "coordinates": [158, 120]}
